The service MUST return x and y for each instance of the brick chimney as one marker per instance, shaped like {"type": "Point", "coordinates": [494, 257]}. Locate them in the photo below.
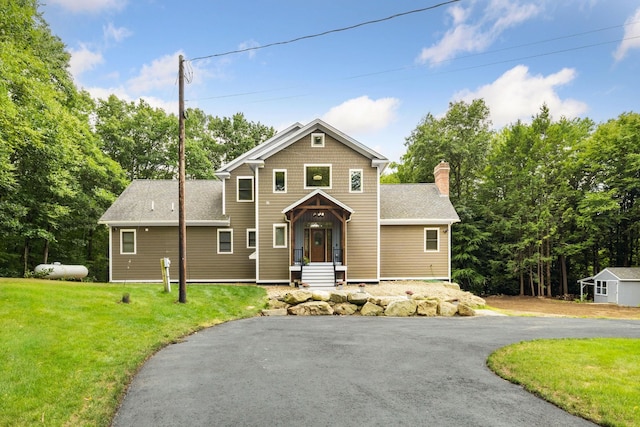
{"type": "Point", "coordinates": [441, 174]}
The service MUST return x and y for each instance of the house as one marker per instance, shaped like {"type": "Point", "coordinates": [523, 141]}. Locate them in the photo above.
{"type": "Point", "coordinates": [616, 285]}
{"type": "Point", "coordinates": [304, 206]}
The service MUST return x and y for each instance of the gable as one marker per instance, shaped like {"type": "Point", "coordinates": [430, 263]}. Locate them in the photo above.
{"type": "Point", "coordinates": [294, 134]}
{"type": "Point", "coordinates": [619, 273]}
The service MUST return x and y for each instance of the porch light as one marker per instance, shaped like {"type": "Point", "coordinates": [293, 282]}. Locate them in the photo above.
{"type": "Point", "coordinates": [317, 177]}
{"type": "Point", "coordinates": [318, 214]}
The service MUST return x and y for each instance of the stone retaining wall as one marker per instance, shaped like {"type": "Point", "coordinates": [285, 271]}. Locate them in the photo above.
{"type": "Point", "coordinates": [339, 302]}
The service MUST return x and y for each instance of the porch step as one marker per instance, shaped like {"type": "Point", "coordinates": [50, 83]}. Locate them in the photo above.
{"type": "Point", "coordinates": [318, 275]}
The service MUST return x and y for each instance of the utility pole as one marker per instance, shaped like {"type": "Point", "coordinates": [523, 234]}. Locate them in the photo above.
{"type": "Point", "coordinates": [182, 225]}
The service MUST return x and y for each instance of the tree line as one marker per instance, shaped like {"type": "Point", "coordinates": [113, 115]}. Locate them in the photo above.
{"type": "Point", "coordinates": [541, 204]}
{"type": "Point", "coordinates": [65, 157]}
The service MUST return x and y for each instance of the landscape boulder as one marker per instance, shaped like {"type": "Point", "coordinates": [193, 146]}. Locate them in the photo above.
{"type": "Point", "coordinates": [371, 309]}
{"type": "Point", "coordinates": [465, 310]}
{"type": "Point", "coordinates": [401, 308]}
{"type": "Point", "coordinates": [311, 308]}
{"type": "Point", "coordinates": [297, 297]}
{"type": "Point", "coordinates": [427, 307]}
{"type": "Point", "coordinates": [358, 298]}
{"type": "Point", "coordinates": [446, 309]}
{"type": "Point", "coordinates": [345, 308]}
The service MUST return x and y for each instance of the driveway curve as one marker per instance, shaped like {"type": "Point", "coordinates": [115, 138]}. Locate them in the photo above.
{"type": "Point", "coordinates": [349, 371]}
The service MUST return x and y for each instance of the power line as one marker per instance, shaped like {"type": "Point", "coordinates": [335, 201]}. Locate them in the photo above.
{"type": "Point", "coordinates": [324, 33]}
{"type": "Point", "coordinates": [460, 57]}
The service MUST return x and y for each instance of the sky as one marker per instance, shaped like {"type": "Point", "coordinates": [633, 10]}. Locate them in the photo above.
{"type": "Point", "coordinates": [375, 81]}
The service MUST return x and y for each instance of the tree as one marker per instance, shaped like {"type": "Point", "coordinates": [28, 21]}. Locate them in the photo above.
{"type": "Point", "coordinates": [461, 138]}
{"type": "Point", "coordinates": [46, 140]}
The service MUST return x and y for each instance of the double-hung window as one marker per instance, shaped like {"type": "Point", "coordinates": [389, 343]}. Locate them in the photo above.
{"type": "Point", "coordinates": [431, 240]}
{"type": "Point", "coordinates": [245, 188]}
{"type": "Point", "coordinates": [251, 238]}
{"type": "Point", "coordinates": [225, 241]}
{"type": "Point", "coordinates": [127, 242]}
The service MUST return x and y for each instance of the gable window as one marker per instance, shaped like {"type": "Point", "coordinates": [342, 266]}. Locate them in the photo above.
{"type": "Point", "coordinates": [279, 180]}
{"type": "Point", "coordinates": [251, 238]}
{"type": "Point", "coordinates": [317, 140]}
{"type": "Point", "coordinates": [225, 241]}
{"type": "Point", "coordinates": [431, 240]}
{"type": "Point", "coordinates": [355, 184]}
{"type": "Point", "coordinates": [317, 176]}
{"type": "Point", "coordinates": [245, 189]}
{"type": "Point", "coordinates": [279, 235]}
{"type": "Point", "coordinates": [601, 287]}
{"type": "Point", "coordinates": [127, 242]}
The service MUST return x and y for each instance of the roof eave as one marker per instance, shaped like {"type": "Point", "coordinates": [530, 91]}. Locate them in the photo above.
{"type": "Point", "coordinates": [419, 221]}
{"type": "Point", "coordinates": [168, 223]}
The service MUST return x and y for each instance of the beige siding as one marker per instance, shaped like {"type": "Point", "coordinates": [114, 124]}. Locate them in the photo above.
{"type": "Point", "coordinates": [203, 262]}
{"type": "Point", "coordinates": [362, 230]}
{"type": "Point", "coordinates": [403, 257]}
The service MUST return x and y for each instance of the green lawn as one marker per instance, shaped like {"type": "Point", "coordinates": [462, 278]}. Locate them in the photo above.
{"type": "Point", "coordinates": [597, 379]}
{"type": "Point", "coordinates": [68, 350]}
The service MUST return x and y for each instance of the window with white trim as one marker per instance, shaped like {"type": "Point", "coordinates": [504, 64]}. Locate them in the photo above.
{"type": "Point", "coordinates": [431, 239]}
{"type": "Point", "coordinates": [279, 235]}
{"type": "Point", "coordinates": [245, 188]}
{"type": "Point", "coordinates": [317, 140]}
{"type": "Point", "coordinates": [127, 242]}
{"type": "Point", "coordinates": [601, 287]}
{"type": "Point", "coordinates": [251, 238]}
{"type": "Point", "coordinates": [355, 180]}
{"type": "Point", "coordinates": [225, 241]}
{"type": "Point", "coordinates": [279, 180]}
{"type": "Point", "coordinates": [317, 176]}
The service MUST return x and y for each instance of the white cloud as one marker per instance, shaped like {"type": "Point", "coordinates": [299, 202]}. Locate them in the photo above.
{"type": "Point", "coordinates": [116, 34]}
{"type": "Point", "coordinates": [82, 60]}
{"type": "Point", "coordinates": [469, 35]}
{"type": "Point", "coordinates": [160, 74]}
{"type": "Point", "coordinates": [91, 6]}
{"type": "Point", "coordinates": [631, 36]}
{"type": "Point", "coordinates": [249, 44]}
{"type": "Point", "coordinates": [519, 95]}
{"type": "Point", "coordinates": [361, 115]}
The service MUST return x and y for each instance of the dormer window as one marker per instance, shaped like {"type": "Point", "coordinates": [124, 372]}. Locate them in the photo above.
{"type": "Point", "coordinates": [317, 140]}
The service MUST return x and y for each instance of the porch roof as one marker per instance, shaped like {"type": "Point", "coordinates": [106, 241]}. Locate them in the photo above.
{"type": "Point", "coordinates": [314, 194]}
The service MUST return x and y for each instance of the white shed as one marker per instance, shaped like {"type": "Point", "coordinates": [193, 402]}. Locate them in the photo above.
{"type": "Point", "coordinates": [615, 285]}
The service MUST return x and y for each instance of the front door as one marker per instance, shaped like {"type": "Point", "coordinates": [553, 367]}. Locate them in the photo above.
{"type": "Point", "coordinates": [318, 245]}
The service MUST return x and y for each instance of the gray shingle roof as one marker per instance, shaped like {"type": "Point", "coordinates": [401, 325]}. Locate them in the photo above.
{"type": "Point", "coordinates": [625, 273]}
{"type": "Point", "coordinates": [155, 202]}
{"type": "Point", "coordinates": [415, 203]}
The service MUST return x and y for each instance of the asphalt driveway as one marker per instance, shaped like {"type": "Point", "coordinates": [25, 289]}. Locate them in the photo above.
{"type": "Point", "coordinates": [349, 371]}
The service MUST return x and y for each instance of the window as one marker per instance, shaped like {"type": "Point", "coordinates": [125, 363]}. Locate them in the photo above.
{"type": "Point", "coordinates": [128, 242]}
{"type": "Point", "coordinates": [279, 235]}
{"type": "Point", "coordinates": [279, 181]}
{"type": "Point", "coordinates": [355, 185]}
{"type": "Point", "coordinates": [431, 242]}
{"type": "Point", "coordinates": [601, 287]}
{"type": "Point", "coordinates": [317, 139]}
{"type": "Point", "coordinates": [317, 176]}
{"type": "Point", "coordinates": [251, 238]}
{"type": "Point", "coordinates": [245, 189]}
{"type": "Point", "coordinates": [225, 241]}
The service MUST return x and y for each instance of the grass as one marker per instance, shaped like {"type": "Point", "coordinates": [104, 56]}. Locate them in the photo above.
{"type": "Point", "coordinates": [597, 379]}
{"type": "Point", "coordinates": [68, 350]}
